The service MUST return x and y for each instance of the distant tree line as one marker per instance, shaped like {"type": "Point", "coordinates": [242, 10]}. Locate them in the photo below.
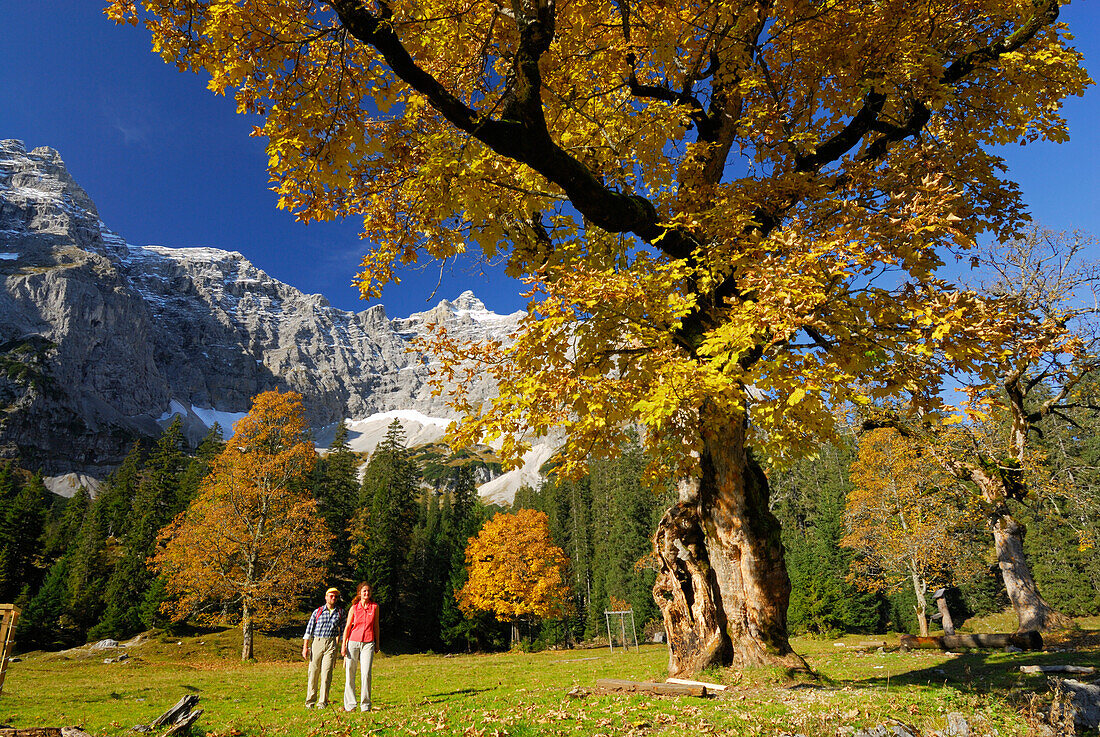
{"type": "Point", "coordinates": [78, 568]}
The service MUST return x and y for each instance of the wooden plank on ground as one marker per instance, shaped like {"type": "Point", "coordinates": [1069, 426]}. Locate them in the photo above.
{"type": "Point", "coordinates": [709, 686]}
{"type": "Point", "coordinates": [616, 685]}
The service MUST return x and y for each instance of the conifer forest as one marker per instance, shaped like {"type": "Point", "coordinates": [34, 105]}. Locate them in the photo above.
{"type": "Point", "coordinates": [85, 568]}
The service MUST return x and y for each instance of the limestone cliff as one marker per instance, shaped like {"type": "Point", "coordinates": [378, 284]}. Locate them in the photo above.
{"type": "Point", "coordinates": [102, 341]}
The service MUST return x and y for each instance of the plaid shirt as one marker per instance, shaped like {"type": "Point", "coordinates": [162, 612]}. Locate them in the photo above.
{"type": "Point", "coordinates": [325, 622]}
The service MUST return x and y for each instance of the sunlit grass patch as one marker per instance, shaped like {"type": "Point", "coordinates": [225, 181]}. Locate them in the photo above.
{"type": "Point", "coordinates": [518, 694]}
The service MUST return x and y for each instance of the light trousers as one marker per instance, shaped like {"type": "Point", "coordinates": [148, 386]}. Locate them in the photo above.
{"type": "Point", "coordinates": [360, 658]}
{"type": "Point", "coordinates": [322, 656]}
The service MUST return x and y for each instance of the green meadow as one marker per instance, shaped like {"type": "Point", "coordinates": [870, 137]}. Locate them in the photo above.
{"type": "Point", "coordinates": [545, 693]}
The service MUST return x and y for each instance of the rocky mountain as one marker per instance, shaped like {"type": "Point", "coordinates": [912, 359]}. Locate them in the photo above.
{"type": "Point", "coordinates": [102, 341]}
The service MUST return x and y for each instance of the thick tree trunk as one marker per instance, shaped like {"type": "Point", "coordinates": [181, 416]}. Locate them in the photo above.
{"type": "Point", "coordinates": [246, 632]}
{"type": "Point", "coordinates": [722, 585]}
{"type": "Point", "coordinates": [945, 616]}
{"type": "Point", "coordinates": [1032, 610]}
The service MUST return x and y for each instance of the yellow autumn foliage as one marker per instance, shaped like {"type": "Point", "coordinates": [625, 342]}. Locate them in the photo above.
{"type": "Point", "coordinates": [515, 570]}
{"type": "Point", "coordinates": [252, 539]}
{"type": "Point", "coordinates": [747, 202]}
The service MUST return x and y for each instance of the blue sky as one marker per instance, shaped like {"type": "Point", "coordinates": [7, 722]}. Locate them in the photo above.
{"type": "Point", "coordinates": [169, 163]}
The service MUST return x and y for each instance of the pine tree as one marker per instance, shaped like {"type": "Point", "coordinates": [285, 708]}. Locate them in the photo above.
{"type": "Point", "coordinates": [42, 623]}
{"type": "Point", "coordinates": [116, 498]}
{"type": "Point", "coordinates": [62, 533]}
{"type": "Point", "coordinates": [88, 569]}
{"type": "Point", "coordinates": [426, 574]}
{"type": "Point", "coordinates": [384, 523]}
{"type": "Point", "coordinates": [810, 497]}
{"type": "Point", "coordinates": [461, 518]}
{"type": "Point", "coordinates": [154, 507]}
{"type": "Point", "coordinates": [625, 506]}
{"type": "Point", "coordinates": [21, 535]}
{"type": "Point", "coordinates": [199, 466]}
{"type": "Point", "coordinates": [337, 490]}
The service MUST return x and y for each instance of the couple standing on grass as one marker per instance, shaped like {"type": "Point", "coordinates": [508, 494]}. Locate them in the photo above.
{"type": "Point", "coordinates": [357, 642]}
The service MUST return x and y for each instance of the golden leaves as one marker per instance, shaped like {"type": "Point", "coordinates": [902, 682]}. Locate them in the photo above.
{"type": "Point", "coordinates": [900, 514]}
{"type": "Point", "coordinates": [811, 287]}
{"type": "Point", "coordinates": [251, 535]}
{"type": "Point", "coordinates": [515, 570]}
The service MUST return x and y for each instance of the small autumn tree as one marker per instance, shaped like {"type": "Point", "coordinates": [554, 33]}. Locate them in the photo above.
{"type": "Point", "coordinates": [900, 518]}
{"type": "Point", "coordinates": [515, 570]}
{"type": "Point", "coordinates": [252, 540]}
{"type": "Point", "coordinates": [733, 215]}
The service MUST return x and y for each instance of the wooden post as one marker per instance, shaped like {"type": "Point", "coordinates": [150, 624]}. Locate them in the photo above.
{"type": "Point", "coordinates": [9, 615]}
{"type": "Point", "coordinates": [940, 597]}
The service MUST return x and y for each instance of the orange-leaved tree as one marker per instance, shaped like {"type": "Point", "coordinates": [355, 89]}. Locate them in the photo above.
{"type": "Point", "coordinates": [903, 518]}
{"type": "Point", "coordinates": [732, 215]}
{"type": "Point", "coordinates": [252, 541]}
{"type": "Point", "coordinates": [515, 570]}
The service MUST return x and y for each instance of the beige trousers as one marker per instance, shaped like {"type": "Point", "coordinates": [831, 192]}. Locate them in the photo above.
{"type": "Point", "coordinates": [322, 652]}
{"type": "Point", "coordinates": [360, 657]}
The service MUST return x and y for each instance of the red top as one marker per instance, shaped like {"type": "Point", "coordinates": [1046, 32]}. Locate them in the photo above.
{"type": "Point", "coordinates": [364, 621]}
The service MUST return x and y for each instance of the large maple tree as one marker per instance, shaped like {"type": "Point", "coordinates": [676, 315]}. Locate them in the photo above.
{"type": "Point", "coordinates": [252, 542]}
{"type": "Point", "coordinates": [733, 213]}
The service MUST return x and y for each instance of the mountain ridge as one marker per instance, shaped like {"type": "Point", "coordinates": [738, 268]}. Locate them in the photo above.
{"type": "Point", "coordinates": [102, 341]}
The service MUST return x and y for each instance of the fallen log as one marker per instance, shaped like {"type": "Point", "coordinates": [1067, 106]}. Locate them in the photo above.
{"type": "Point", "coordinates": [31, 732]}
{"type": "Point", "coordinates": [1029, 640]}
{"type": "Point", "coordinates": [1085, 670]}
{"type": "Point", "coordinates": [616, 685]}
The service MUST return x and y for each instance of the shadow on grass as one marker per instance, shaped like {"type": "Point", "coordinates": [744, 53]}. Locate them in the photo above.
{"type": "Point", "coordinates": [989, 671]}
{"type": "Point", "coordinates": [447, 695]}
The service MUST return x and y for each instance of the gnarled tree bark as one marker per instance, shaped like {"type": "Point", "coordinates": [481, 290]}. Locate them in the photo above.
{"type": "Point", "coordinates": [722, 585]}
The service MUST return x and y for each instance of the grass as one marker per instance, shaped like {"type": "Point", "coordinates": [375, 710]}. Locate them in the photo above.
{"type": "Point", "coordinates": [519, 694]}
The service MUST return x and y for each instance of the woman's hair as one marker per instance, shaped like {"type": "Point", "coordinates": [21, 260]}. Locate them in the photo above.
{"type": "Point", "coordinates": [359, 591]}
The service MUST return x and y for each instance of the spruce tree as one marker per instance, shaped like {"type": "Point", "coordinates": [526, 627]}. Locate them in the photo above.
{"type": "Point", "coordinates": [337, 490]}
{"type": "Point", "coordinates": [427, 570]}
{"type": "Point", "coordinates": [88, 570]}
{"type": "Point", "coordinates": [116, 497]}
{"type": "Point", "coordinates": [460, 519]}
{"type": "Point", "coordinates": [42, 623]}
{"type": "Point", "coordinates": [62, 533]}
{"type": "Point", "coordinates": [384, 523]}
{"type": "Point", "coordinates": [21, 537]}
{"type": "Point", "coordinates": [810, 497]}
{"type": "Point", "coordinates": [199, 466]}
{"type": "Point", "coordinates": [155, 505]}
